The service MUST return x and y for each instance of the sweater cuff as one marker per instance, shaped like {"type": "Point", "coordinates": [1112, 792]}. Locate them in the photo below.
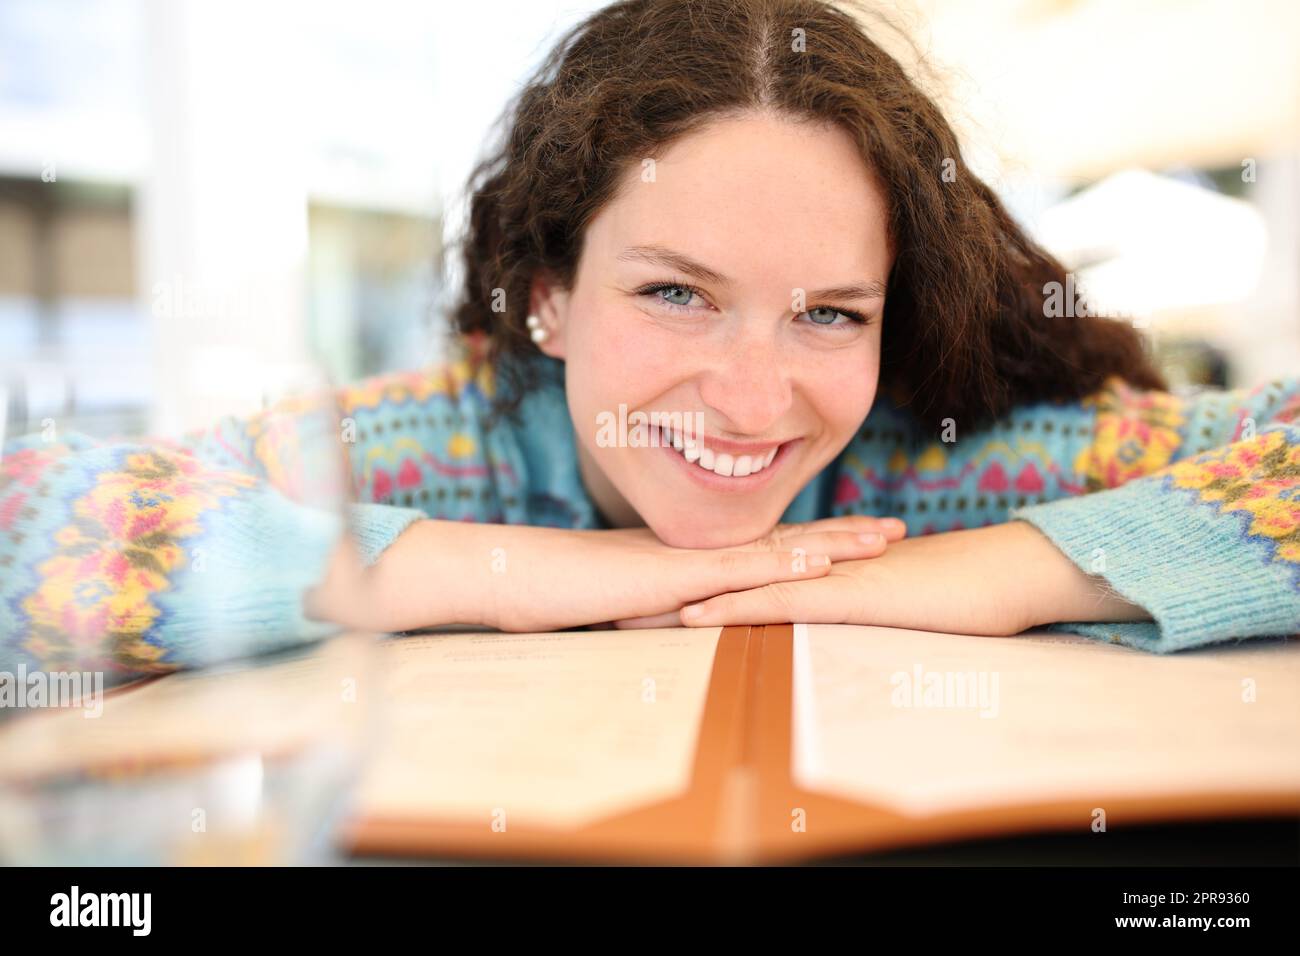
{"type": "Point", "coordinates": [1196, 571]}
{"type": "Point", "coordinates": [242, 593]}
{"type": "Point", "coordinates": [375, 527]}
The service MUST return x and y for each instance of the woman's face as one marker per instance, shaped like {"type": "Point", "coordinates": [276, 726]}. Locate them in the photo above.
{"type": "Point", "coordinates": [740, 276]}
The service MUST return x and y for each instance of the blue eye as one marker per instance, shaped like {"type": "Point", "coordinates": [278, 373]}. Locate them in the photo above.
{"type": "Point", "coordinates": [825, 317]}
{"type": "Point", "coordinates": [675, 295]}
{"type": "Point", "coordinates": [682, 293]}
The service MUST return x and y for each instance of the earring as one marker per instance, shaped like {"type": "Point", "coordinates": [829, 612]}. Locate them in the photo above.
{"type": "Point", "coordinates": [538, 332]}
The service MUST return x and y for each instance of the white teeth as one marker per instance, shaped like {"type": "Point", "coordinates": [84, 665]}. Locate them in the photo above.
{"type": "Point", "coordinates": [720, 463]}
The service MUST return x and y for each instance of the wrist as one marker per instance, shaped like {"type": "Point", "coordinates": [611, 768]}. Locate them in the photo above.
{"type": "Point", "coordinates": [1064, 592]}
{"type": "Point", "coordinates": [429, 576]}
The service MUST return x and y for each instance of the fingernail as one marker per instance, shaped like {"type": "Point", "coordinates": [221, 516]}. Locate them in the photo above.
{"type": "Point", "coordinates": [870, 537]}
{"type": "Point", "coordinates": [819, 560]}
{"type": "Point", "coordinates": [692, 611]}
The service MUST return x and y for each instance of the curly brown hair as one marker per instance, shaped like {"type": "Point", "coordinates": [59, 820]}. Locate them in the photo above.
{"type": "Point", "coordinates": [965, 329]}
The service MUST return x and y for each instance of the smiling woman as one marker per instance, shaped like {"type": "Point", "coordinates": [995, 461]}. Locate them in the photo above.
{"type": "Point", "coordinates": [696, 216]}
{"type": "Point", "coordinates": [669, 307]}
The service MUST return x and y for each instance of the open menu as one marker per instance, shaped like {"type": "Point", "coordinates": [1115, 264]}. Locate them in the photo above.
{"type": "Point", "coordinates": [734, 745]}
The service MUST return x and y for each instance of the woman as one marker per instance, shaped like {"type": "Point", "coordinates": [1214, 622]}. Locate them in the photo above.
{"type": "Point", "coordinates": [743, 214]}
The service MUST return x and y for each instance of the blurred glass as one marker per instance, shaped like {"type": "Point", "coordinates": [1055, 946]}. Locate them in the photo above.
{"type": "Point", "coordinates": [245, 757]}
{"type": "Point", "coordinates": [249, 763]}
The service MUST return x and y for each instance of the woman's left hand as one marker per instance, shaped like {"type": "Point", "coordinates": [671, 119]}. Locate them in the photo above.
{"type": "Point", "coordinates": [997, 580]}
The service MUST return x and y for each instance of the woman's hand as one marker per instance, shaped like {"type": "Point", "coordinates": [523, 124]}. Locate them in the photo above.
{"type": "Point", "coordinates": [543, 579]}
{"type": "Point", "coordinates": [840, 539]}
{"type": "Point", "coordinates": [998, 580]}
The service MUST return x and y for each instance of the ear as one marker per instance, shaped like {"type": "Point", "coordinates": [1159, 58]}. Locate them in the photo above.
{"type": "Point", "coordinates": [549, 301]}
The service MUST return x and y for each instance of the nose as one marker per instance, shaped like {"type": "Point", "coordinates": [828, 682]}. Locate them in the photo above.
{"type": "Point", "coordinates": [748, 387]}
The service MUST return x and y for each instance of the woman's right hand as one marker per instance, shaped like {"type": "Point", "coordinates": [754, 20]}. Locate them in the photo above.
{"type": "Point", "coordinates": [517, 578]}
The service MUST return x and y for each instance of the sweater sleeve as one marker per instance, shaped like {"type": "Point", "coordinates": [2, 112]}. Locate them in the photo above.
{"type": "Point", "coordinates": [145, 556]}
{"type": "Point", "coordinates": [1192, 512]}
{"type": "Point", "coordinates": [1186, 504]}
{"type": "Point", "coordinates": [136, 558]}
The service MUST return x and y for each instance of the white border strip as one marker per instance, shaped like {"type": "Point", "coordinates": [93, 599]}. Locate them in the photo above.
{"type": "Point", "coordinates": [806, 758]}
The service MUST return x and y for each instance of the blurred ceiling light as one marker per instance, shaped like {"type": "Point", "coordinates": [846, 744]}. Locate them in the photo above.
{"type": "Point", "coordinates": [1151, 247]}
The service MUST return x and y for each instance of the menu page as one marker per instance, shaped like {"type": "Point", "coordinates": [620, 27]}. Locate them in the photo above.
{"type": "Point", "coordinates": [546, 729]}
{"type": "Point", "coordinates": [926, 723]}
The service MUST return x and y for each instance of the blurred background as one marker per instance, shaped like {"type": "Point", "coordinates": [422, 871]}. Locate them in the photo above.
{"type": "Point", "coordinates": [194, 194]}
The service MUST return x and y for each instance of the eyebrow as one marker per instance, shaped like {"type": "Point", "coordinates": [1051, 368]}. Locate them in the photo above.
{"type": "Point", "coordinates": [662, 256]}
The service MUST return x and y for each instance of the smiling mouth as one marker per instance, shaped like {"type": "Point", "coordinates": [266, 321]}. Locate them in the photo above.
{"type": "Point", "coordinates": [719, 463]}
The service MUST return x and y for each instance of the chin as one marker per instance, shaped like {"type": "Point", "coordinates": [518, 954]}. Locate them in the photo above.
{"type": "Point", "coordinates": [677, 533]}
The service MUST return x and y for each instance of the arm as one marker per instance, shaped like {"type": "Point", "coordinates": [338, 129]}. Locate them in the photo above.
{"type": "Point", "coordinates": [144, 557]}
{"type": "Point", "coordinates": [542, 579]}
{"type": "Point", "coordinates": [1135, 519]}
{"type": "Point", "coordinates": [138, 557]}
{"type": "Point", "coordinates": [133, 558]}
{"type": "Point", "coordinates": [1194, 515]}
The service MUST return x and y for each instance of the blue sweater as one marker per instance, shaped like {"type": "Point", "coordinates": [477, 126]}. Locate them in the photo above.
{"type": "Point", "coordinates": [145, 556]}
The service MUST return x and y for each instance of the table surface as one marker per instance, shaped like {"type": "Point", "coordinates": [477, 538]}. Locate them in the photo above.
{"type": "Point", "coordinates": [1274, 842]}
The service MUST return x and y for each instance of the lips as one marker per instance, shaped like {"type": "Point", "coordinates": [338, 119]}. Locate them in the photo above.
{"type": "Point", "coordinates": [720, 463]}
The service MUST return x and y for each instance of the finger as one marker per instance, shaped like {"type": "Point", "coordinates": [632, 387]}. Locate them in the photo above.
{"type": "Point", "coordinates": [820, 601]}
{"type": "Point", "coordinates": [892, 528]}
{"type": "Point", "coordinates": [717, 572]}
{"type": "Point", "coordinates": [840, 545]}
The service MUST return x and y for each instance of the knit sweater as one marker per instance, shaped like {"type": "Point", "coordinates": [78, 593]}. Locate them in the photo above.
{"type": "Point", "coordinates": [138, 557]}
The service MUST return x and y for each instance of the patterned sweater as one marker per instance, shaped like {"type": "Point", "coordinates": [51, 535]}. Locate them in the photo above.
{"type": "Point", "coordinates": [140, 557]}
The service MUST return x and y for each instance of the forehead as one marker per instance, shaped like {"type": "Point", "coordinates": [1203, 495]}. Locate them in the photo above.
{"type": "Point", "coordinates": [756, 198]}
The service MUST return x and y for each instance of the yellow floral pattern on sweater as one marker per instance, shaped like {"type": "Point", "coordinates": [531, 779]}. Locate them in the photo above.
{"type": "Point", "coordinates": [126, 539]}
{"type": "Point", "coordinates": [1135, 433]}
{"type": "Point", "coordinates": [1259, 478]}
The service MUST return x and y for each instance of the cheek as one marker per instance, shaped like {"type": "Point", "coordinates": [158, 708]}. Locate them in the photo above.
{"type": "Point", "coordinates": [842, 392]}
{"type": "Point", "coordinates": [620, 357]}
